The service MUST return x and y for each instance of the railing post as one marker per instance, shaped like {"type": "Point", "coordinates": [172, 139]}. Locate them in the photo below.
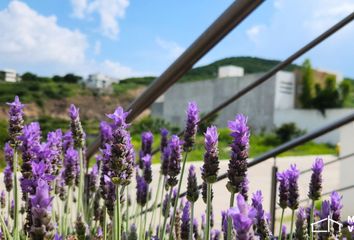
{"type": "Point", "coordinates": [273, 195]}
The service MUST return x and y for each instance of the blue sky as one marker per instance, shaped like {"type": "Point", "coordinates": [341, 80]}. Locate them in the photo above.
{"type": "Point", "coordinates": [124, 38]}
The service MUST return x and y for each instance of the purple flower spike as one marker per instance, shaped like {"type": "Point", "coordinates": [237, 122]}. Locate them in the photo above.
{"type": "Point", "coordinates": [106, 133]}
{"type": "Point", "coordinates": [146, 147]}
{"type": "Point", "coordinates": [109, 194]}
{"type": "Point", "coordinates": [164, 138]}
{"type": "Point", "coordinates": [174, 166]}
{"type": "Point", "coordinates": [245, 188]}
{"type": "Point", "coordinates": [191, 126]}
{"type": "Point", "coordinates": [55, 148]}
{"type": "Point", "coordinates": [8, 178]}
{"type": "Point", "coordinates": [185, 221]}
{"type": "Point", "coordinates": [336, 206]}
{"type": "Point", "coordinates": [211, 159]}
{"type": "Point", "coordinates": [283, 189]}
{"type": "Point", "coordinates": [71, 159]}
{"type": "Point", "coordinates": [121, 163]}
{"type": "Point", "coordinates": [262, 228]}
{"type": "Point", "coordinates": [141, 191]}
{"type": "Point", "coordinates": [215, 234]}
{"type": "Point", "coordinates": [301, 225]}
{"type": "Point", "coordinates": [239, 153]}
{"type": "Point", "coordinates": [9, 155]}
{"type": "Point", "coordinates": [195, 229]}
{"type": "Point", "coordinates": [165, 160]}
{"type": "Point", "coordinates": [293, 175]}
{"type": "Point", "coordinates": [316, 180]}
{"type": "Point", "coordinates": [147, 168]}
{"type": "Point", "coordinates": [76, 127]}
{"type": "Point", "coordinates": [283, 232]}
{"type": "Point", "coordinates": [41, 211]}
{"type": "Point", "coordinates": [166, 206]}
{"type": "Point", "coordinates": [15, 121]}
{"type": "Point", "coordinates": [192, 185]}
{"type": "Point", "coordinates": [224, 217]}
{"type": "Point", "coordinates": [2, 199]}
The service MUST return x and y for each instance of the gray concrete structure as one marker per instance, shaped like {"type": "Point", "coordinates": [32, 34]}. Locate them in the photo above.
{"type": "Point", "coordinates": [259, 105]}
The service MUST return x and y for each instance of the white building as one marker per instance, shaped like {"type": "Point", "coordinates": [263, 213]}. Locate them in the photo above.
{"type": "Point", "coordinates": [100, 81]}
{"type": "Point", "coordinates": [9, 75]}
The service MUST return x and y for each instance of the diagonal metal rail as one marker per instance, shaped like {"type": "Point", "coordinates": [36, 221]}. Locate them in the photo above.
{"type": "Point", "coordinates": [226, 22]}
{"type": "Point", "coordinates": [278, 67]}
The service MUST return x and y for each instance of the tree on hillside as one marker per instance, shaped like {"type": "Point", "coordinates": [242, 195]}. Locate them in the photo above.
{"type": "Point", "coordinates": [29, 77]}
{"type": "Point", "coordinates": [307, 84]}
{"type": "Point", "coordinates": [71, 78]}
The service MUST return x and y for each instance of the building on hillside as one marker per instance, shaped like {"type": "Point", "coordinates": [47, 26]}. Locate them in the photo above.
{"type": "Point", "coordinates": [259, 105]}
{"type": "Point", "coordinates": [100, 82]}
{"type": "Point", "coordinates": [9, 75]}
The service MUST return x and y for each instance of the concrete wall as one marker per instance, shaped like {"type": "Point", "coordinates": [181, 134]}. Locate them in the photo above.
{"type": "Point", "coordinates": [310, 120]}
{"type": "Point", "coordinates": [346, 168]}
{"type": "Point", "coordinates": [258, 104]}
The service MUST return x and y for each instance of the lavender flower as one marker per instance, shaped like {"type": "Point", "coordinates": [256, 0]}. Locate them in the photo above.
{"type": "Point", "coordinates": [185, 221]}
{"type": "Point", "coordinates": [283, 232]}
{"type": "Point", "coordinates": [211, 160]}
{"type": "Point", "coordinates": [283, 189]}
{"type": "Point", "coordinates": [41, 210]}
{"type": "Point", "coordinates": [141, 190]}
{"type": "Point", "coordinates": [76, 127]}
{"type": "Point", "coordinates": [244, 188]}
{"type": "Point", "coordinates": [55, 145]}
{"type": "Point", "coordinates": [15, 121]}
{"type": "Point", "coordinates": [106, 133]}
{"type": "Point", "coordinates": [2, 199]}
{"type": "Point", "coordinates": [93, 179]}
{"type": "Point", "coordinates": [336, 207]}
{"type": "Point", "coordinates": [191, 126]}
{"type": "Point", "coordinates": [30, 148]}
{"type": "Point", "coordinates": [195, 229]}
{"type": "Point", "coordinates": [165, 160]}
{"type": "Point", "coordinates": [293, 175]}
{"type": "Point", "coordinates": [133, 233]}
{"type": "Point", "coordinates": [301, 225]}
{"type": "Point", "coordinates": [192, 186]}
{"type": "Point", "coordinates": [166, 206]}
{"type": "Point", "coordinates": [224, 223]}
{"type": "Point", "coordinates": [174, 166]}
{"type": "Point", "coordinates": [215, 234]}
{"type": "Point", "coordinates": [68, 141]}
{"type": "Point", "coordinates": [121, 162]}
{"type": "Point", "coordinates": [239, 147]}
{"type": "Point", "coordinates": [70, 164]}
{"type": "Point", "coordinates": [242, 218]}
{"type": "Point", "coordinates": [9, 155]}
{"type": "Point", "coordinates": [109, 194]}
{"type": "Point", "coordinates": [164, 138]}
{"type": "Point", "coordinates": [146, 146]}
{"type": "Point", "coordinates": [147, 168]}
{"type": "Point", "coordinates": [174, 196]}
{"type": "Point", "coordinates": [325, 213]}
{"type": "Point", "coordinates": [81, 228]}
{"type": "Point", "coordinates": [316, 180]}
{"type": "Point", "coordinates": [262, 228]}
{"type": "Point", "coordinates": [177, 225]}
{"type": "Point", "coordinates": [8, 178]}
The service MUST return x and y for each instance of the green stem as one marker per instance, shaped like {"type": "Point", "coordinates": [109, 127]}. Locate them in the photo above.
{"type": "Point", "coordinates": [281, 224]}
{"type": "Point", "coordinates": [178, 192]}
{"type": "Point", "coordinates": [208, 212]}
{"type": "Point", "coordinates": [229, 221]}
{"type": "Point", "coordinates": [152, 221]}
{"type": "Point", "coordinates": [127, 213]}
{"type": "Point", "coordinates": [16, 229]}
{"type": "Point", "coordinates": [4, 228]}
{"type": "Point", "coordinates": [145, 216]}
{"type": "Point", "coordinates": [191, 222]}
{"type": "Point", "coordinates": [81, 184]}
{"type": "Point", "coordinates": [105, 224]}
{"type": "Point", "coordinates": [65, 216]}
{"type": "Point", "coordinates": [292, 224]}
{"type": "Point", "coordinates": [161, 200]}
{"type": "Point", "coordinates": [311, 218]}
{"type": "Point", "coordinates": [165, 218]}
{"type": "Point", "coordinates": [117, 216]}
{"type": "Point", "coordinates": [140, 222]}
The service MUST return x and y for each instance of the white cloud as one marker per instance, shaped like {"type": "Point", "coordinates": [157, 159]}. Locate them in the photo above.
{"type": "Point", "coordinates": [254, 32]}
{"type": "Point", "coordinates": [173, 49]}
{"type": "Point", "coordinates": [109, 12]}
{"type": "Point", "coordinates": [27, 36]}
{"type": "Point", "coordinates": [33, 42]}
{"type": "Point", "coordinates": [97, 48]}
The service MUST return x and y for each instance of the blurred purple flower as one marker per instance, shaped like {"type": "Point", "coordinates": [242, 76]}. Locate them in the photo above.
{"type": "Point", "coordinates": [244, 188]}
{"type": "Point", "coordinates": [9, 155]}
{"type": "Point", "coordinates": [185, 221]}
{"type": "Point", "coordinates": [76, 127]}
{"type": "Point", "coordinates": [8, 178]}
{"type": "Point", "coordinates": [192, 185]}
{"type": "Point", "coordinates": [301, 225]}
{"type": "Point", "coordinates": [15, 121]}
{"type": "Point", "coordinates": [106, 133]}
{"type": "Point", "coordinates": [165, 160]}
{"type": "Point", "coordinates": [141, 190]}
{"type": "Point", "coordinates": [262, 227]}
{"type": "Point", "coordinates": [215, 234]}
{"type": "Point", "coordinates": [191, 126]}
{"type": "Point", "coordinates": [55, 147]}
{"type": "Point", "coordinates": [147, 168]}
{"type": "Point", "coordinates": [336, 207]}
{"type": "Point", "coordinates": [174, 166]}
{"type": "Point", "coordinates": [283, 189]}
{"type": "Point", "coordinates": [71, 159]}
